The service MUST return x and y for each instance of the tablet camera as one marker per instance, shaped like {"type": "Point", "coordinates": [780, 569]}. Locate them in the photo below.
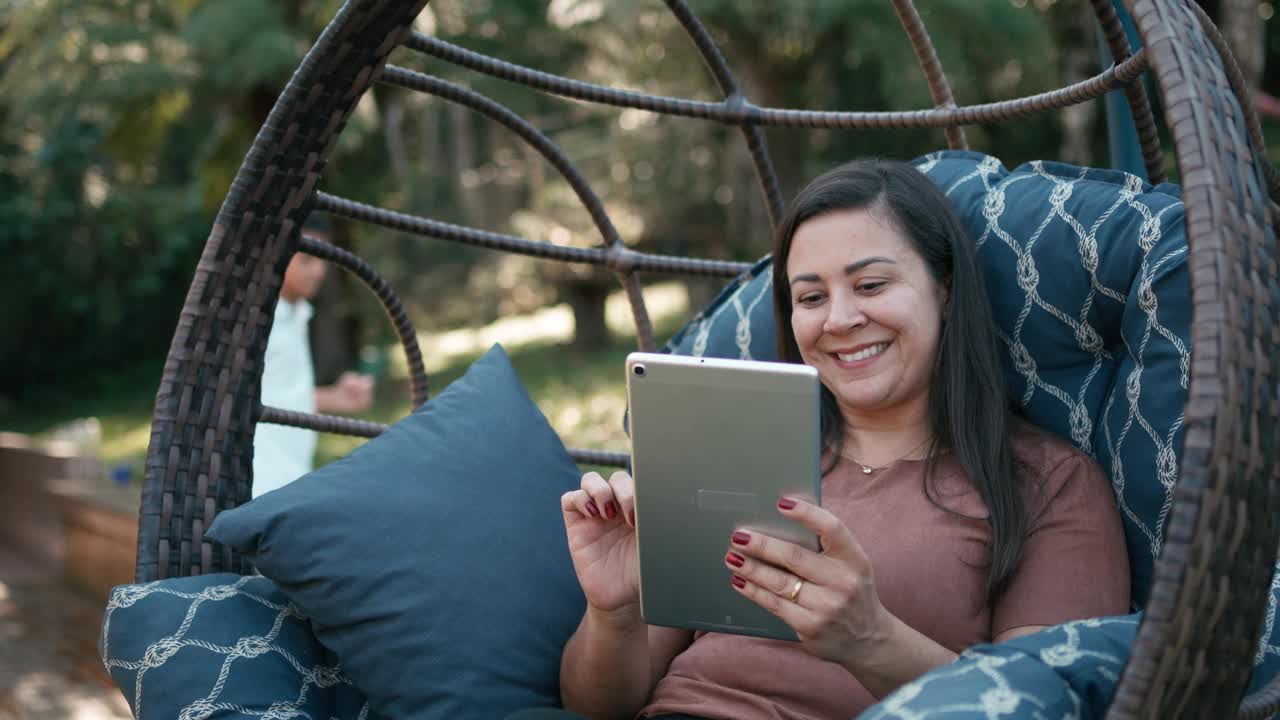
{"type": "Point", "coordinates": [638, 370]}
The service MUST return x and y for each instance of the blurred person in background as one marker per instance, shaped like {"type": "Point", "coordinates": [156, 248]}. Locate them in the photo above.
{"type": "Point", "coordinates": [283, 454]}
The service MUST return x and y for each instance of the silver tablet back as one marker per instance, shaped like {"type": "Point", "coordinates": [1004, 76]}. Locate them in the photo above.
{"type": "Point", "coordinates": [714, 444]}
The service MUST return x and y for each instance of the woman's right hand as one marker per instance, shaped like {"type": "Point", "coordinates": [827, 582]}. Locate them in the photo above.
{"type": "Point", "coordinates": [599, 519]}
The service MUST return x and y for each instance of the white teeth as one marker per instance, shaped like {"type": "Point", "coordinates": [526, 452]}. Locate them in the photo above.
{"type": "Point", "coordinates": [864, 353]}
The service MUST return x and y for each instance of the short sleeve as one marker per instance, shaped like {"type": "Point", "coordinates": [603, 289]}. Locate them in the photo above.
{"type": "Point", "coordinates": [1074, 562]}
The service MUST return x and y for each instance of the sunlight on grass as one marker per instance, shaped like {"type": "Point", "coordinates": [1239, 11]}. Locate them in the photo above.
{"type": "Point", "coordinates": [581, 392]}
{"type": "Point", "coordinates": [127, 441]}
{"type": "Point", "coordinates": [549, 325]}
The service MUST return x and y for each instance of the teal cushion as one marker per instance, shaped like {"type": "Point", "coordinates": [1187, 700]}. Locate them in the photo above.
{"type": "Point", "coordinates": [220, 646]}
{"type": "Point", "coordinates": [1087, 274]}
{"type": "Point", "coordinates": [1066, 671]}
{"type": "Point", "coordinates": [433, 559]}
{"type": "Point", "coordinates": [737, 323]}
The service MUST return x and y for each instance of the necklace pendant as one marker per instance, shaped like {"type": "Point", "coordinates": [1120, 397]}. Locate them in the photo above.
{"type": "Point", "coordinates": [866, 469]}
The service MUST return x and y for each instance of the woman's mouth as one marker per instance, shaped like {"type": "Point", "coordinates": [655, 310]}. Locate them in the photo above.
{"type": "Point", "coordinates": [863, 356]}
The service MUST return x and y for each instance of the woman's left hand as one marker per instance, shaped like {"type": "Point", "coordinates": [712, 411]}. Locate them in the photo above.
{"type": "Point", "coordinates": [836, 612]}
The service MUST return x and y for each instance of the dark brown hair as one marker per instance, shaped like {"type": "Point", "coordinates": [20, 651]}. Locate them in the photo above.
{"type": "Point", "coordinates": [968, 411]}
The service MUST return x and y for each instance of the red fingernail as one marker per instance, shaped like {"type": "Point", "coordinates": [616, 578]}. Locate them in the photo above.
{"type": "Point", "coordinates": [741, 538]}
{"type": "Point", "coordinates": [738, 582]}
{"type": "Point", "coordinates": [610, 510]}
{"type": "Point", "coordinates": [591, 508]}
{"type": "Point", "coordinates": [786, 503]}
{"type": "Point", "coordinates": [734, 559]}
{"type": "Point", "coordinates": [632, 514]}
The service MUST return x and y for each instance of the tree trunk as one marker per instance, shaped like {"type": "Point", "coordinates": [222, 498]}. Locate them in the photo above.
{"type": "Point", "coordinates": [1077, 41]}
{"type": "Point", "coordinates": [463, 160]}
{"type": "Point", "coordinates": [587, 299]}
{"type": "Point", "coordinates": [1246, 35]}
{"type": "Point", "coordinates": [426, 193]}
{"type": "Point", "coordinates": [335, 330]}
{"type": "Point", "coordinates": [393, 122]}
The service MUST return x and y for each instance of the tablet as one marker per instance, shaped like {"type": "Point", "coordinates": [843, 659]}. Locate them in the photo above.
{"type": "Point", "coordinates": [714, 444]}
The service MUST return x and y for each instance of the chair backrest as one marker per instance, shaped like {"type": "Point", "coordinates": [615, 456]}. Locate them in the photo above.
{"type": "Point", "coordinates": [1216, 557]}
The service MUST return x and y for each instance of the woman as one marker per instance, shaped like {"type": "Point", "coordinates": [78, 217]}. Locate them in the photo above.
{"type": "Point", "coordinates": [945, 522]}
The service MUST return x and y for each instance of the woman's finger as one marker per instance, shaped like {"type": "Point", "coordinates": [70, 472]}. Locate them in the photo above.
{"type": "Point", "coordinates": [836, 540]}
{"type": "Point", "coordinates": [795, 616]}
{"type": "Point", "coordinates": [624, 490]}
{"type": "Point", "coordinates": [578, 502]}
{"type": "Point", "coordinates": [786, 585]}
{"type": "Point", "coordinates": [602, 503]}
{"type": "Point", "coordinates": [796, 559]}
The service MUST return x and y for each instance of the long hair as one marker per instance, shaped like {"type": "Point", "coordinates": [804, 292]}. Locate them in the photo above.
{"type": "Point", "coordinates": [968, 413]}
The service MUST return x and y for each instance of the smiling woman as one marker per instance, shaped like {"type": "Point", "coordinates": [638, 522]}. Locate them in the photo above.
{"type": "Point", "coordinates": [871, 254]}
{"type": "Point", "coordinates": [956, 525]}
{"type": "Point", "coordinates": [867, 313]}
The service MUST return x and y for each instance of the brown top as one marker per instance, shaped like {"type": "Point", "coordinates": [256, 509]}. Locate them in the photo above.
{"type": "Point", "coordinates": [930, 570]}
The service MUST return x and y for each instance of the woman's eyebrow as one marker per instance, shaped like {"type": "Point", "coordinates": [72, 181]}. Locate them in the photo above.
{"type": "Point", "coordinates": [854, 267]}
{"type": "Point", "coordinates": [849, 269]}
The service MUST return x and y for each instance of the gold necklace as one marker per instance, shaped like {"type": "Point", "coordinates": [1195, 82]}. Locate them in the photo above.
{"type": "Point", "coordinates": [868, 469]}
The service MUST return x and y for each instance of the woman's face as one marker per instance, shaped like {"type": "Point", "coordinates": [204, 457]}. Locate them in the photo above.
{"type": "Point", "coordinates": [866, 311]}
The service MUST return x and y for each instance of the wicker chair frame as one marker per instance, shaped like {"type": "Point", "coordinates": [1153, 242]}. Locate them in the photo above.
{"type": "Point", "coordinates": [1196, 643]}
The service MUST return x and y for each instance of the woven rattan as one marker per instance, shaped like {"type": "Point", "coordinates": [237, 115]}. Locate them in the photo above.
{"type": "Point", "coordinates": [1197, 640]}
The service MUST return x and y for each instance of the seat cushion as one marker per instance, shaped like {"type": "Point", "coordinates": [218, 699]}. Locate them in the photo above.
{"type": "Point", "coordinates": [433, 559]}
{"type": "Point", "coordinates": [1070, 670]}
{"type": "Point", "coordinates": [217, 646]}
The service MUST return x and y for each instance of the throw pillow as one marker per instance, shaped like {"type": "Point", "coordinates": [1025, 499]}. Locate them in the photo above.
{"type": "Point", "coordinates": [433, 560]}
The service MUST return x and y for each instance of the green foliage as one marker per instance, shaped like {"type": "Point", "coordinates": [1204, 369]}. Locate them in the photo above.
{"type": "Point", "coordinates": [123, 122]}
{"type": "Point", "coordinates": [242, 43]}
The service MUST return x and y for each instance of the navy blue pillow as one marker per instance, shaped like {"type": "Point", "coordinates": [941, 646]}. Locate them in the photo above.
{"type": "Point", "coordinates": [1069, 670]}
{"type": "Point", "coordinates": [433, 559]}
{"type": "Point", "coordinates": [220, 646]}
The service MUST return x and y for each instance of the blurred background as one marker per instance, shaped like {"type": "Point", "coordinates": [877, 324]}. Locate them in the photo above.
{"type": "Point", "coordinates": [122, 123]}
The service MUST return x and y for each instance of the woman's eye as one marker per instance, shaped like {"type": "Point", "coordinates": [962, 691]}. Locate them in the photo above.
{"type": "Point", "coordinates": [871, 287]}
{"type": "Point", "coordinates": [809, 299]}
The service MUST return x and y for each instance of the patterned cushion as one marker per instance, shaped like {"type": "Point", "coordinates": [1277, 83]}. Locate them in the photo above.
{"type": "Point", "coordinates": [433, 558]}
{"type": "Point", "coordinates": [1266, 664]}
{"type": "Point", "coordinates": [220, 646]}
{"type": "Point", "coordinates": [1090, 289]}
{"type": "Point", "coordinates": [737, 323]}
{"type": "Point", "coordinates": [1067, 671]}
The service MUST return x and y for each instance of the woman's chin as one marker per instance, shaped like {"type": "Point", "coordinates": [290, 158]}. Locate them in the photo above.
{"type": "Point", "coordinates": [862, 399]}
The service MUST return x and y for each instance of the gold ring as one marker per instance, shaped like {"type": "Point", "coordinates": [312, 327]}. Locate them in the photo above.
{"type": "Point", "coordinates": [795, 591]}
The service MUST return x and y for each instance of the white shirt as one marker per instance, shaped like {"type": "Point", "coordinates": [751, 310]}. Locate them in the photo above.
{"type": "Point", "coordinates": [283, 454]}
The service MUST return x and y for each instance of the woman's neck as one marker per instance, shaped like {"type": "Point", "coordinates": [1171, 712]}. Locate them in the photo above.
{"type": "Point", "coordinates": [881, 437]}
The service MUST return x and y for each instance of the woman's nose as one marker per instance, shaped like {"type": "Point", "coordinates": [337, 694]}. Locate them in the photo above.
{"type": "Point", "coordinates": [845, 315]}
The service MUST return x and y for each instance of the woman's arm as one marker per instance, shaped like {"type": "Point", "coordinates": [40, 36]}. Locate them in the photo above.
{"type": "Point", "coordinates": [897, 656]}
{"type": "Point", "coordinates": [613, 662]}
{"type": "Point", "coordinates": [904, 654]}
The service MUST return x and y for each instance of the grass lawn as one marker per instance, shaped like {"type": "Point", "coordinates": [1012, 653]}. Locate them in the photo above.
{"type": "Point", "coordinates": [581, 392]}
